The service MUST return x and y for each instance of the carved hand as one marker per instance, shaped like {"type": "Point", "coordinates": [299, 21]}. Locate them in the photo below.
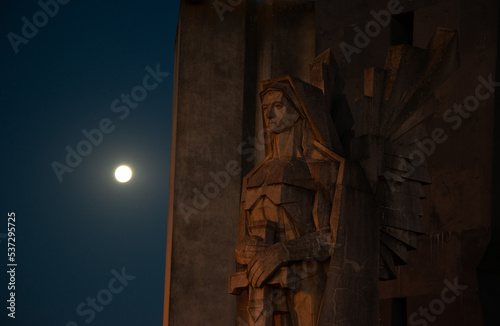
{"type": "Point", "coordinates": [248, 248]}
{"type": "Point", "coordinates": [266, 262]}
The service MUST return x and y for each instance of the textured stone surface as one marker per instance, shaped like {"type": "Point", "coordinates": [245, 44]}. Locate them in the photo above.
{"type": "Point", "coordinates": [353, 274]}
{"type": "Point", "coordinates": [208, 119]}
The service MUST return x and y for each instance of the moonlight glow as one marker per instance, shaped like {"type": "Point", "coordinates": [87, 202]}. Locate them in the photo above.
{"type": "Point", "coordinates": [123, 173]}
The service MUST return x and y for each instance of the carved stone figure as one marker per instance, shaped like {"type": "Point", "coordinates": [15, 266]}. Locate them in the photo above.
{"type": "Point", "coordinates": [285, 236]}
{"type": "Point", "coordinates": [304, 201]}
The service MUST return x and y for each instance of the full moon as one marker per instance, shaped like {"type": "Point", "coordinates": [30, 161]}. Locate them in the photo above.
{"type": "Point", "coordinates": [123, 173]}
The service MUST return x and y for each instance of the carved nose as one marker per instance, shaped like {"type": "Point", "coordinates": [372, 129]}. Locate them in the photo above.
{"type": "Point", "coordinates": [271, 113]}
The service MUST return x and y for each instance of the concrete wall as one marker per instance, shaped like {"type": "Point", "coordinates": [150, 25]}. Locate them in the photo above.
{"type": "Point", "coordinates": [208, 119]}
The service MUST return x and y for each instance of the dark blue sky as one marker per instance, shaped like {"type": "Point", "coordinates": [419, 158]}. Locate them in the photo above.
{"type": "Point", "coordinates": [70, 235]}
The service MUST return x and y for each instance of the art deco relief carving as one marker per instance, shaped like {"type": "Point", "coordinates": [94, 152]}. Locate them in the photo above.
{"type": "Point", "coordinates": [291, 202]}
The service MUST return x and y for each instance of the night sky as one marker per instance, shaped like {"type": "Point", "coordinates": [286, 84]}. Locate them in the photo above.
{"type": "Point", "coordinates": [84, 69]}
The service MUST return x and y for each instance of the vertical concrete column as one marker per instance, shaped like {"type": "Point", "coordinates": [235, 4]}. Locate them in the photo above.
{"type": "Point", "coordinates": [285, 45]}
{"type": "Point", "coordinates": [205, 177]}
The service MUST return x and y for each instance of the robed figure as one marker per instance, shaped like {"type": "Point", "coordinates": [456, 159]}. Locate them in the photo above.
{"type": "Point", "coordinates": [285, 230]}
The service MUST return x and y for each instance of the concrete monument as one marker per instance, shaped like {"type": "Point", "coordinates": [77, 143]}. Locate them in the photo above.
{"type": "Point", "coordinates": [376, 125]}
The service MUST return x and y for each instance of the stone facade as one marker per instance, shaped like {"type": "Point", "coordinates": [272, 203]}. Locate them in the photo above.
{"type": "Point", "coordinates": [223, 52]}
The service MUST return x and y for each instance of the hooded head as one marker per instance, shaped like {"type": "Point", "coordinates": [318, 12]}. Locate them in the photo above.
{"type": "Point", "coordinates": [288, 102]}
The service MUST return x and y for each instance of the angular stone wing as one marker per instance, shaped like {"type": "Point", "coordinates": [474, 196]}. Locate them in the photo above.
{"type": "Point", "coordinates": [389, 121]}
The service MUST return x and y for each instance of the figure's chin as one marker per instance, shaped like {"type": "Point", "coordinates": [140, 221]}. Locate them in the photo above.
{"type": "Point", "coordinates": [278, 129]}
{"type": "Point", "coordinates": [272, 129]}
{"type": "Point", "coordinates": [275, 130]}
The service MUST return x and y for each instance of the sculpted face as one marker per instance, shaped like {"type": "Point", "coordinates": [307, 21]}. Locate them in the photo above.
{"type": "Point", "coordinates": [279, 113]}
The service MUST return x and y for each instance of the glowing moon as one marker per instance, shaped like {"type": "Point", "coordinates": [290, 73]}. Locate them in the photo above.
{"type": "Point", "coordinates": [123, 173]}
